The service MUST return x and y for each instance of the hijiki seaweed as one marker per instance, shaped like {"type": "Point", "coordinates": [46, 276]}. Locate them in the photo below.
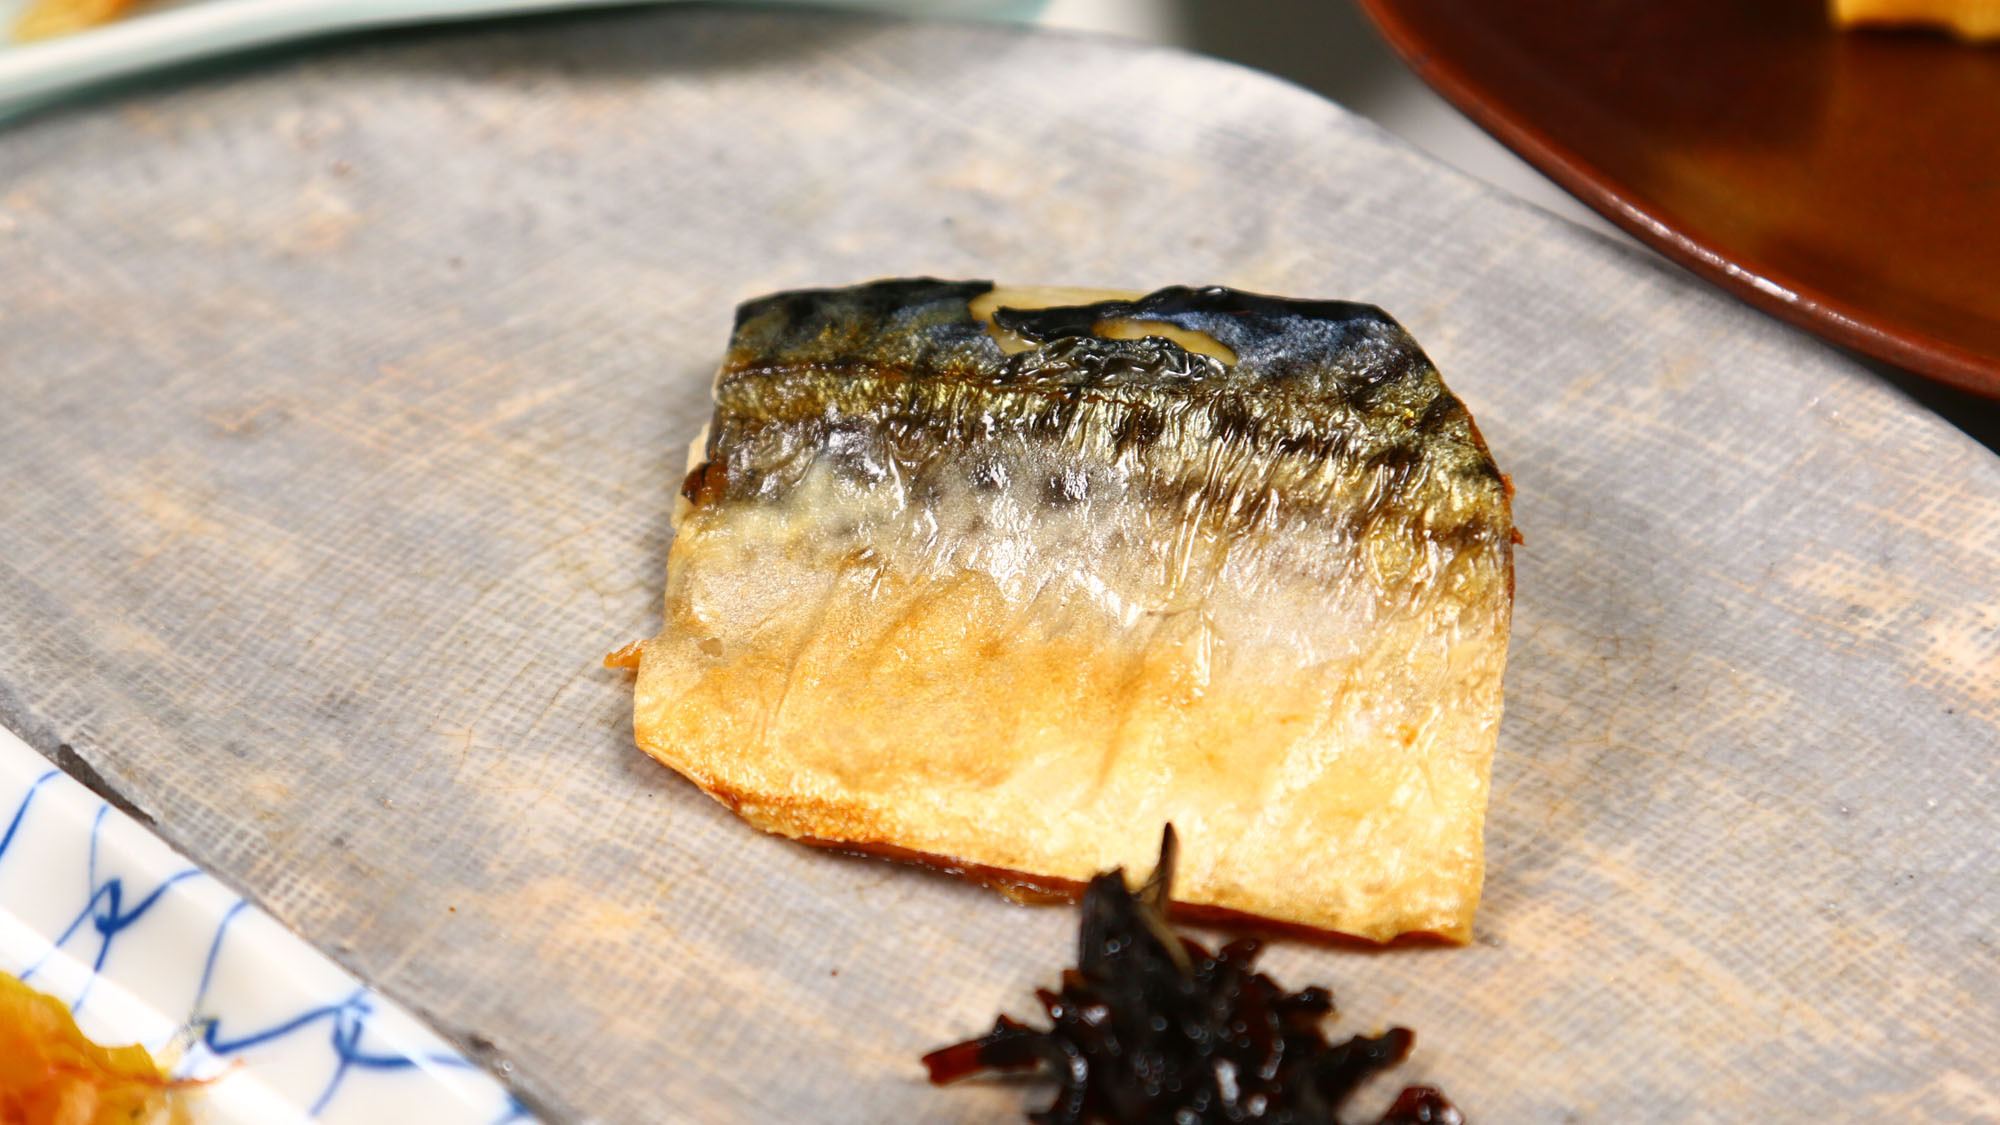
{"type": "Point", "coordinates": [1153, 1027]}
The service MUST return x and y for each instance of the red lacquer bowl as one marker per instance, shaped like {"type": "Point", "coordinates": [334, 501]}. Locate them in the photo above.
{"type": "Point", "coordinates": [1848, 182]}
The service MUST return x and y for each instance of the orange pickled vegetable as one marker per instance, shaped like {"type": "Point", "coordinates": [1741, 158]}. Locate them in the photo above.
{"type": "Point", "coordinates": [51, 1074]}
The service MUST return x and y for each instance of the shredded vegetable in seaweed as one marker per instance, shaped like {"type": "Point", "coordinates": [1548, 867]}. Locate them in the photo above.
{"type": "Point", "coordinates": [1152, 1027]}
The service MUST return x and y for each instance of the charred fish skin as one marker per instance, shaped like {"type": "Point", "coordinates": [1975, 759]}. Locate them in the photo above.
{"type": "Point", "coordinates": [1332, 400]}
{"type": "Point", "coordinates": [1234, 561]}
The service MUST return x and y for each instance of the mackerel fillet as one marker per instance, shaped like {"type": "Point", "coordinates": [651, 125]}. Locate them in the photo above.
{"type": "Point", "coordinates": [1004, 581]}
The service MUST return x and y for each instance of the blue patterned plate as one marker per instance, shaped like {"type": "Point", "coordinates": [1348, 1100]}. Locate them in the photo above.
{"type": "Point", "coordinates": [145, 947]}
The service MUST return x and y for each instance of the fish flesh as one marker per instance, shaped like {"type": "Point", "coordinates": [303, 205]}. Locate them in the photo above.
{"type": "Point", "coordinates": [1006, 580]}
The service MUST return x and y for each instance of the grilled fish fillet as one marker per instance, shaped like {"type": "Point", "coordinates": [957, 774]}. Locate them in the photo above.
{"type": "Point", "coordinates": [1006, 588]}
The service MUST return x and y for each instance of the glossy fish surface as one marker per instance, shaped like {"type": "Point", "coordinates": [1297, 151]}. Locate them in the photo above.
{"type": "Point", "coordinates": [1005, 580]}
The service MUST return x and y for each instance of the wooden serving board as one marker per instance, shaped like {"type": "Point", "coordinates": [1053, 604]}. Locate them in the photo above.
{"type": "Point", "coordinates": [345, 401]}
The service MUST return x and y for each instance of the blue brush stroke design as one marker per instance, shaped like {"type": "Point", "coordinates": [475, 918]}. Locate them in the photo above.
{"type": "Point", "coordinates": [193, 1058]}
{"type": "Point", "coordinates": [104, 909]}
{"type": "Point", "coordinates": [215, 948]}
{"type": "Point", "coordinates": [348, 1023]}
{"type": "Point", "coordinates": [21, 812]}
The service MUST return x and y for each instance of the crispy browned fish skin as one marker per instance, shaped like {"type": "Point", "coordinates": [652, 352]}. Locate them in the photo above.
{"type": "Point", "coordinates": [1017, 611]}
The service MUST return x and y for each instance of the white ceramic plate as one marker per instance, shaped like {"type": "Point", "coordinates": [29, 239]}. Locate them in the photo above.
{"type": "Point", "coordinates": [173, 31]}
{"type": "Point", "coordinates": [147, 948]}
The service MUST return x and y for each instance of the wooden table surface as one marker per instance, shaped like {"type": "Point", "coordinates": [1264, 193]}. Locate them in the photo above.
{"type": "Point", "coordinates": [345, 400]}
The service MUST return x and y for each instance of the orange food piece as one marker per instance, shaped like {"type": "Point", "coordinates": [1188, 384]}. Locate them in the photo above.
{"type": "Point", "coordinates": [46, 19]}
{"type": "Point", "coordinates": [51, 1074]}
{"type": "Point", "coordinates": [1967, 19]}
